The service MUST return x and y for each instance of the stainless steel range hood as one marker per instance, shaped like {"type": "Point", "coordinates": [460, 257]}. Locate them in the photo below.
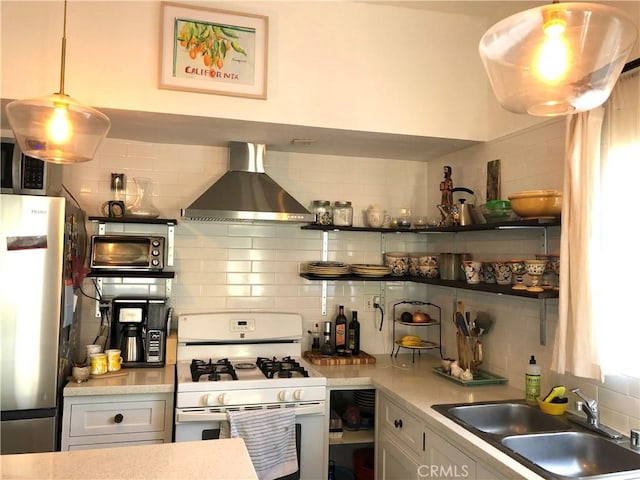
{"type": "Point", "coordinates": [246, 193]}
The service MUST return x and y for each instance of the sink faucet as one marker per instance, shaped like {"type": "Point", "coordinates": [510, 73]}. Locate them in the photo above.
{"type": "Point", "coordinates": [592, 422]}
{"type": "Point", "coordinates": [589, 407]}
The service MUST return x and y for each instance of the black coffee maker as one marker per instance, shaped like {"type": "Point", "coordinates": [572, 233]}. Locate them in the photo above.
{"type": "Point", "coordinates": [139, 330]}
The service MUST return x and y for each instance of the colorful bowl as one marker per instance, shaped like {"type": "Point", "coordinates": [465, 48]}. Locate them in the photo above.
{"type": "Point", "coordinates": [537, 203]}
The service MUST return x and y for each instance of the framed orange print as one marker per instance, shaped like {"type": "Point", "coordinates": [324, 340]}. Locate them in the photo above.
{"type": "Point", "coordinates": [213, 51]}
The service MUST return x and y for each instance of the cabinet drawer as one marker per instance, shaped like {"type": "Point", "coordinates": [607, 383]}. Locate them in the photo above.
{"type": "Point", "coordinates": [117, 418]}
{"type": "Point", "coordinates": [398, 423]}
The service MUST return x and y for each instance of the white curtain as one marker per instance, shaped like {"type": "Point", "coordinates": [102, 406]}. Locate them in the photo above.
{"type": "Point", "coordinates": [598, 324]}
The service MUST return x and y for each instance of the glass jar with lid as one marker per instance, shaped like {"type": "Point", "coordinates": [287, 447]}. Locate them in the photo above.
{"type": "Point", "coordinates": [342, 214]}
{"type": "Point", "coordinates": [323, 211]}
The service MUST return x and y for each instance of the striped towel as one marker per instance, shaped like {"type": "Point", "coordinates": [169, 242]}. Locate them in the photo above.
{"type": "Point", "coordinates": [270, 437]}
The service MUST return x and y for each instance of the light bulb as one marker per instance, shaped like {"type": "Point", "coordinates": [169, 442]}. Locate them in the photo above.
{"type": "Point", "coordinates": [58, 128]}
{"type": "Point", "coordinates": [552, 60]}
{"type": "Point", "coordinates": [551, 63]}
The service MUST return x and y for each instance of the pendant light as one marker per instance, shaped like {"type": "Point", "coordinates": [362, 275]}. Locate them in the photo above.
{"type": "Point", "coordinates": [57, 128]}
{"type": "Point", "coordinates": [557, 59]}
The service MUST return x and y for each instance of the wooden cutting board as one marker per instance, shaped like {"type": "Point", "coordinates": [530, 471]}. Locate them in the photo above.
{"type": "Point", "coordinates": [363, 358]}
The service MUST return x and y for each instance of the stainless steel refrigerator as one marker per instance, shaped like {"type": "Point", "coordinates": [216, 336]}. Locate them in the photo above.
{"type": "Point", "coordinates": [39, 241]}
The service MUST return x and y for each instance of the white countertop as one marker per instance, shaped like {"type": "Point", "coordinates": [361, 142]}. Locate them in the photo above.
{"type": "Point", "coordinates": [136, 381]}
{"type": "Point", "coordinates": [416, 387]}
{"type": "Point", "coordinates": [192, 460]}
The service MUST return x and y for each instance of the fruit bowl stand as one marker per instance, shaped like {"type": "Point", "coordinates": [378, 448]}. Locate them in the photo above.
{"type": "Point", "coordinates": [415, 342]}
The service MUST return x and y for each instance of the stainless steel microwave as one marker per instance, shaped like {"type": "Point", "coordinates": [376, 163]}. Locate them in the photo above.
{"type": "Point", "coordinates": [127, 253]}
{"type": "Point", "coordinates": [24, 175]}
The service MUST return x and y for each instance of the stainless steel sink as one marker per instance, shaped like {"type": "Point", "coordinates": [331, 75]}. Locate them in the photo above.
{"type": "Point", "coordinates": [551, 446]}
{"type": "Point", "coordinates": [574, 454]}
{"type": "Point", "coordinates": [507, 418]}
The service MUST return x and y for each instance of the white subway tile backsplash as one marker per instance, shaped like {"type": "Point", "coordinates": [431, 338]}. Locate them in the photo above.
{"type": "Point", "coordinates": [256, 266]}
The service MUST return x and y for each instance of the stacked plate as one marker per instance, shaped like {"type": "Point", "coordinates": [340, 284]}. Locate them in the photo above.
{"type": "Point", "coordinates": [365, 399]}
{"type": "Point", "coordinates": [327, 269]}
{"type": "Point", "coordinates": [370, 270]}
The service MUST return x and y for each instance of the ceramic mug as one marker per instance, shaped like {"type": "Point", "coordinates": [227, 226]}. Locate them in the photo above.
{"type": "Point", "coordinates": [93, 348]}
{"type": "Point", "coordinates": [98, 363]}
{"type": "Point", "coordinates": [472, 271]}
{"type": "Point", "coordinates": [488, 272]}
{"type": "Point", "coordinates": [114, 360]}
{"type": "Point", "coordinates": [502, 272]}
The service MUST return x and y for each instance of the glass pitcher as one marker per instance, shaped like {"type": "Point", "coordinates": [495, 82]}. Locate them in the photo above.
{"type": "Point", "coordinates": [143, 204]}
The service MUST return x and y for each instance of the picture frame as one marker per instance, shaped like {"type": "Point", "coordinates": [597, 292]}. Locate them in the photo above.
{"type": "Point", "coordinates": [213, 51]}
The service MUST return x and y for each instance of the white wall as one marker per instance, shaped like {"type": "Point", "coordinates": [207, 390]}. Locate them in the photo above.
{"type": "Point", "coordinates": [346, 65]}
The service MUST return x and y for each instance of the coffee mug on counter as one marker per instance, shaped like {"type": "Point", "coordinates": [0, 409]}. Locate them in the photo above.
{"type": "Point", "coordinates": [98, 363]}
{"type": "Point", "coordinates": [93, 348]}
{"type": "Point", "coordinates": [114, 360]}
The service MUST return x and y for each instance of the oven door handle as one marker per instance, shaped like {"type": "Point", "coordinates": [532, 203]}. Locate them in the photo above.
{"type": "Point", "coordinates": [184, 417]}
{"type": "Point", "coordinates": [203, 416]}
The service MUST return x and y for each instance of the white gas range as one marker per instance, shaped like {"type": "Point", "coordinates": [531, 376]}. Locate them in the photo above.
{"type": "Point", "coordinates": [248, 361]}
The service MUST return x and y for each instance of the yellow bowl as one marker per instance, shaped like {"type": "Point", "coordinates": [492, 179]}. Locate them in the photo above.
{"type": "Point", "coordinates": [537, 203]}
{"type": "Point", "coordinates": [552, 408]}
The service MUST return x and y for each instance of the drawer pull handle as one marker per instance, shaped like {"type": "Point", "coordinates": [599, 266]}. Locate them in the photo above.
{"type": "Point", "coordinates": [397, 423]}
{"type": "Point", "coordinates": [118, 418]}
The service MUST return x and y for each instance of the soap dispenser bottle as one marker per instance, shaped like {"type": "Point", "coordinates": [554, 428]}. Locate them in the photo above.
{"type": "Point", "coordinates": [532, 381]}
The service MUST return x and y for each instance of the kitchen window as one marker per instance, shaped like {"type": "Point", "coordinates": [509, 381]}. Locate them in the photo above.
{"type": "Point", "coordinates": [597, 331]}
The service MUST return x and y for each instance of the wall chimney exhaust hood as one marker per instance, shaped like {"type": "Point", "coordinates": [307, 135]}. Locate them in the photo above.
{"type": "Point", "coordinates": [245, 193]}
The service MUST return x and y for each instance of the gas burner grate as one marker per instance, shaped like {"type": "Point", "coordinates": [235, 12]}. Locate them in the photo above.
{"type": "Point", "coordinates": [283, 368]}
{"type": "Point", "coordinates": [222, 369]}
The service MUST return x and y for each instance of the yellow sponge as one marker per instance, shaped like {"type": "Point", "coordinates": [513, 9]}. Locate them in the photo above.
{"type": "Point", "coordinates": [556, 392]}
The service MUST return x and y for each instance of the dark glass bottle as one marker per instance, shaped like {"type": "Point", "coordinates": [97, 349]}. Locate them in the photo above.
{"type": "Point", "coordinates": [341, 331]}
{"type": "Point", "coordinates": [354, 334]}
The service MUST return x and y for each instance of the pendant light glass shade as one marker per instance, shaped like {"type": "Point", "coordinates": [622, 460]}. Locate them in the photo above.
{"type": "Point", "coordinates": [557, 59]}
{"type": "Point", "coordinates": [57, 128]}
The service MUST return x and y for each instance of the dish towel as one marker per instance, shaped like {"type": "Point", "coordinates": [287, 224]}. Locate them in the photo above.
{"type": "Point", "coordinates": [270, 437]}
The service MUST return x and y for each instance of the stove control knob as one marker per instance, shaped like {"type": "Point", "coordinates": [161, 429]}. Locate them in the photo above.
{"type": "Point", "coordinates": [223, 399]}
{"type": "Point", "coordinates": [209, 400]}
{"type": "Point", "coordinates": [284, 395]}
{"type": "Point", "coordinates": [298, 394]}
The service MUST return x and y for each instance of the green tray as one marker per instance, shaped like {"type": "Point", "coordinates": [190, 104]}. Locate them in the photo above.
{"type": "Point", "coordinates": [481, 378]}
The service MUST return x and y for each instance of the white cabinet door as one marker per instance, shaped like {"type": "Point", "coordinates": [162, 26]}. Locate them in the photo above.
{"type": "Point", "coordinates": [446, 461]}
{"type": "Point", "coordinates": [406, 428]}
{"type": "Point", "coordinates": [394, 463]}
